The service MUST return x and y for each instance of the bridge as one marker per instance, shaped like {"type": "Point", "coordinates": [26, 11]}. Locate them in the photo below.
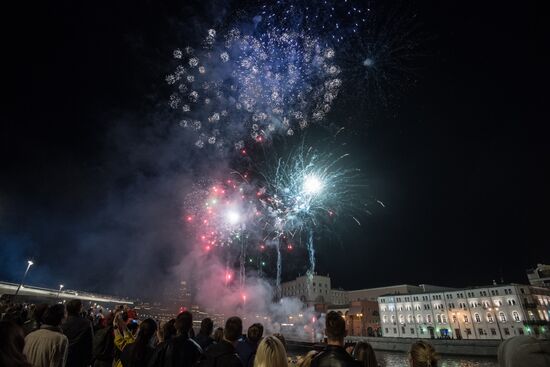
{"type": "Point", "coordinates": [39, 292]}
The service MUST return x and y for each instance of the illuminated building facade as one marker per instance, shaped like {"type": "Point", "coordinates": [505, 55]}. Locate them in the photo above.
{"type": "Point", "coordinates": [493, 312]}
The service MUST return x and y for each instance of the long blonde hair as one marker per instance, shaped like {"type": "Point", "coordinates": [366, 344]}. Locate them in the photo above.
{"type": "Point", "coordinates": [423, 354]}
{"type": "Point", "coordinates": [270, 353]}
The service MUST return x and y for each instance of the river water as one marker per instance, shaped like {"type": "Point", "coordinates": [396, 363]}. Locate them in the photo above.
{"type": "Point", "coordinates": [394, 359]}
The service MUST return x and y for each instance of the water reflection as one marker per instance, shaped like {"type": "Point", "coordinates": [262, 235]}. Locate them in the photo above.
{"type": "Point", "coordinates": [393, 359]}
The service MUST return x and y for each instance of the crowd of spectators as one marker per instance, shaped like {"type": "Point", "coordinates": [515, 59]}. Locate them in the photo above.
{"type": "Point", "coordinates": [65, 335]}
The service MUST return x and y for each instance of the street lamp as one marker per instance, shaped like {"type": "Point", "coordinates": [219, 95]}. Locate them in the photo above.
{"type": "Point", "coordinates": [59, 291]}
{"type": "Point", "coordinates": [29, 264]}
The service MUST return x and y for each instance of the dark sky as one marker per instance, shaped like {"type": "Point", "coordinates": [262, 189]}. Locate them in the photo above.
{"type": "Point", "coordinates": [459, 157]}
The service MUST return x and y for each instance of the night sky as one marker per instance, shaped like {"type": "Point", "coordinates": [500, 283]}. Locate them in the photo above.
{"type": "Point", "coordinates": [91, 178]}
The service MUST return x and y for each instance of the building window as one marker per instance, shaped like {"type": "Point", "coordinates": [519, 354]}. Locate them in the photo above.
{"type": "Point", "coordinates": [516, 317]}
{"type": "Point", "coordinates": [444, 318]}
{"type": "Point", "coordinates": [402, 330]}
{"type": "Point", "coordinates": [477, 318]}
{"type": "Point", "coordinates": [481, 331]}
{"type": "Point", "coordinates": [466, 319]}
{"type": "Point", "coordinates": [412, 330]}
{"type": "Point", "coordinates": [490, 317]}
{"type": "Point", "coordinates": [502, 316]}
{"type": "Point", "coordinates": [419, 319]}
{"type": "Point", "coordinates": [421, 330]}
{"type": "Point", "coordinates": [468, 331]}
{"type": "Point", "coordinates": [506, 331]}
{"type": "Point", "coordinates": [493, 331]}
{"type": "Point", "coordinates": [520, 331]}
{"type": "Point", "coordinates": [385, 319]}
{"type": "Point", "coordinates": [429, 319]}
{"type": "Point", "coordinates": [395, 330]}
{"type": "Point", "coordinates": [410, 319]}
{"type": "Point", "coordinates": [393, 319]}
{"type": "Point", "coordinates": [511, 302]}
{"type": "Point", "coordinates": [455, 320]}
{"type": "Point", "coordinates": [386, 330]}
{"type": "Point", "coordinates": [438, 319]}
{"type": "Point", "coordinates": [401, 319]}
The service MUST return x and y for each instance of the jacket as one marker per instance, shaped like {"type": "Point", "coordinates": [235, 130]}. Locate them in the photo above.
{"type": "Point", "coordinates": [247, 352]}
{"type": "Point", "coordinates": [80, 334]}
{"type": "Point", "coordinates": [180, 351]}
{"type": "Point", "coordinates": [222, 354]}
{"type": "Point", "coordinates": [204, 340]}
{"type": "Point", "coordinates": [104, 345]}
{"type": "Point", "coordinates": [46, 347]}
{"type": "Point", "coordinates": [334, 356]}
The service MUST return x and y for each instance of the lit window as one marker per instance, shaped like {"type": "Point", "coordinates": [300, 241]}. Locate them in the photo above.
{"type": "Point", "coordinates": [502, 316]}
{"type": "Point", "coordinates": [490, 317]}
{"type": "Point", "coordinates": [419, 319]}
{"type": "Point", "coordinates": [516, 317]}
{"type": "Point", "coordinates": [438, 319]}
{"type": "Point", "coordinates": [477, 318]}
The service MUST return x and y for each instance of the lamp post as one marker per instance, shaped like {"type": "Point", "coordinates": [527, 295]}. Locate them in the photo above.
{"type": "Point", "coordinates": [29, 264]}
{"type": "Point", "coordinates": [59, 291]}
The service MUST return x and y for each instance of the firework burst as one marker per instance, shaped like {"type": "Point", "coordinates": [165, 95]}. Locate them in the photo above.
{"type": "Point", "coordinates": [251, 86]}
{"type": "Point", "coordinates": [306, 190]}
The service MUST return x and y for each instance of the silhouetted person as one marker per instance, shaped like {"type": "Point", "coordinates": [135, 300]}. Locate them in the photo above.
{"type": "Point", "coordinates": [246, 349]}
{"type": "Point", "coordinates": [181, 350]}
{"type": "Point", "coordinates": [364, 353]}
{"type": "Point", "coordinates": [138, 353]}
{"type": "Point", "coordinates": [48, 346]}
{"type": "Point", "coordinates": [12, 341]}
{"type": "Point", "coordinates": [35, 318]}
{"type": "Point", "coordinates": [334, 354]}
{"type": "Point", "coordinates": [218, 335]}
{"type": "Point", "coordinates": [224, 354]}
{"type": "Point", "coordinates": [204, 337]}
{"type": "Point", "coordinates": [79, 331]}
{"type": "Point", "coordinates": [104, 344]}
{"type": "Point", "coordinates": [167, 331]}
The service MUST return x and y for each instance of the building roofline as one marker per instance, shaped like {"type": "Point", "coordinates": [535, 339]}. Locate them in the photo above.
{"type": "Point", "coordinates": [391, 286]}
{"type": "Point", "coordinates": [461, 289]}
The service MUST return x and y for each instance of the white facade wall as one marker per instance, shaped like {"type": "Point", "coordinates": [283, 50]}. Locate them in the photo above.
{"type": "Point", "coordinates": [319, 291]}
{"type": "Point", "coordinates": [479, 313]}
